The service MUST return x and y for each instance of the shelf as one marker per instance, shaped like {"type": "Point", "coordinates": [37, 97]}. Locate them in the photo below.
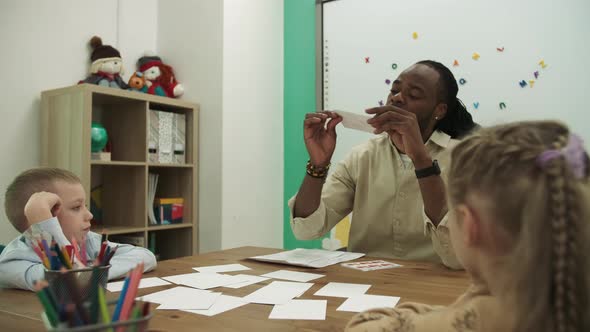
{"type": "Point", "coordinates": [123, 194]}
{"type": "Point", "coordinates": [117, 163]}
{"type": "Point", "coordinates": [117, 189]}
{"type": "Point", "coordinates": [125, 121]}
{"type": "Point", "coordinates": [167, 107]}
{"type": "Point", "coordinates": [169, 226]}
{"type": "Point", "coordinates": [172, 243]}
{"type": "Point", "coordinates": [171, 165]}
{"type": "Point", "coordinates": [116, 230]}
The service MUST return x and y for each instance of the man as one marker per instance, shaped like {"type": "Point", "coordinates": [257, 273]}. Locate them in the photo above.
{"type": "Point", "coordinates": [392, 183]}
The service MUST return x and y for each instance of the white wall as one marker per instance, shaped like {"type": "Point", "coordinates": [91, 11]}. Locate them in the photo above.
{"type": "Point", "coordinates": [45, 46]}
{"type": "Point", "coordinates": [229, 56]}
{"type": "Point", "coordinates": [252, 123]}
{"type": "Point", "coordinates": [190, 39]}
{"type": "Point", "coordinates": [137, 30]}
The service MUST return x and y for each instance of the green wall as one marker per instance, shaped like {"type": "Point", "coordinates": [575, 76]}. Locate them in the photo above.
{"type": "Point", "coordinates": [299, 98]}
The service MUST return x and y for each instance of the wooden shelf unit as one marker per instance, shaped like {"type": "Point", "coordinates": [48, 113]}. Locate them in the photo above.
{"type": "Point", "coordinates": [66, 118]}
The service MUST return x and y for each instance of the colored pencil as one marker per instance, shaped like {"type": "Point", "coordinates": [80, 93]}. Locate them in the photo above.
{"type": "Point", "coordinates": [50, 311]}
{"type": "Point", "coordinates": [42, 256]}
{"type": "Point", "coordinates": [77, 252]}
{"type": "Point", "coordinates": [67, 257]}
{"type": "Point", "coordinates": [117, 312]}
{"type": "Point", "coordinates": [131, 292]}
{"type": "Point", "coordinates": [94, 295]}
{"type": "Point", "coordinates": [101, 252]}
{"type": "Point", "coordinates": [106, 255]}
{"type": "Point", "coordinates": [46, 249]}
{"type": "Point", "coordinates": [111, 254]}
{"type": "Point", "coordinates": [61, 256]}
{"type": "Point", "coordinates": [83, 252]}
{"type": "Point", "coordinates": [102, 305]}
{"type": "Point", "coordinates": [135, 315]}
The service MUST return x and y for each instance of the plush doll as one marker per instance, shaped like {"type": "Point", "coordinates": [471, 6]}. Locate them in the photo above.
{"type": "Point", "coordinates": [159, 77]}
{"type": "Point", "coordinates": [137, 81]}
{"type": "Point", "coordinates": [107, 66]}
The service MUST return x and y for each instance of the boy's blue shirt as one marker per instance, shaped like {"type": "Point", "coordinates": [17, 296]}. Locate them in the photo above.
{"type": "Point", "coordinates": [20, 267]}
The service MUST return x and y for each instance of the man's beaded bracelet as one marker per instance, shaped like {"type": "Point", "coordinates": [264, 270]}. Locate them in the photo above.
{"type": "Point", "coordinates": [317, 172]}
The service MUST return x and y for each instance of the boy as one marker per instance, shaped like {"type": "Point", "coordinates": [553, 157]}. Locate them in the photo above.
{"type": "Point", "coordinates": [53, 200]}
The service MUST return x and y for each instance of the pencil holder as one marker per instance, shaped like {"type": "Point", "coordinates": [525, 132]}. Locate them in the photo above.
{"type": "Point", "coordinates": [60, 283]}
{"type": "Point", "coordinates": [138, 325]}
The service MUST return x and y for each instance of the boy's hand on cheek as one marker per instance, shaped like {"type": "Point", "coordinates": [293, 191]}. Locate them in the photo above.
{"type": "Point", "coordinates": [42, 206]}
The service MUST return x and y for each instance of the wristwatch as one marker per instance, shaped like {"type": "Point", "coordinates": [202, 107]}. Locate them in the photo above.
{"type": "Point", "coordinates": [428, 171]}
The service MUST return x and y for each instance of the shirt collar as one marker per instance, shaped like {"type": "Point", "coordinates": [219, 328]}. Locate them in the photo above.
{"type": "Point", "coordinates": [440, 138]}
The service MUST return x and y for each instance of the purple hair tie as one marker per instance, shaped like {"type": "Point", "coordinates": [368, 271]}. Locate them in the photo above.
{"type": "Point", "coordinates": [574, 154]}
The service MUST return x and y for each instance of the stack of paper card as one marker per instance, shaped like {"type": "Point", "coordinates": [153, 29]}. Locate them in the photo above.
{"type": "Point", "coordinates": [338, 289]}
{"type": "Point", "coordinates": [222, 304]}
{"type": "Point", "coordinates": [278, 292]}
{"type": "Point", "coordinates": [182, 298]}
{"type": "Point", "coordinates": [315, 258]}
{"type": "Point", "coordinates": [364, 302]}
{"type": "Point", "coordinates": [195, 301]}
{"type": "Point", "coordinates": [205, 280]}
{"type": "Point", "coordinates": [248, 280]}
{"type": "Point", "coordinates": [300, 309]}
{"type": "Point", "coordinates": [198, 300]}
{"type": "Point", "coordinates": [370, 265]}
{"type": "Point", "coordinates": [221, 268]}
{"type": "Point", "coordinates": [117, 286]}
{"type": "Point", "coordinates": [293, 275]}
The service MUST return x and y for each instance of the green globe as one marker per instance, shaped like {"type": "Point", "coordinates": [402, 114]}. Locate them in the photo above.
{"type": "Point", "coordinates": [98, 137]}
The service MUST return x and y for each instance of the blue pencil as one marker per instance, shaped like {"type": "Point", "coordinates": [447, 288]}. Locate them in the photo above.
{"type": "Point", "coordinates": [105, 255]}
{"type": "Point", "coordinates": [55, 263]}
{"type": "Point", "coordinates": [121, 300]}
{"type": "Point", "coordinates": [47, 251]}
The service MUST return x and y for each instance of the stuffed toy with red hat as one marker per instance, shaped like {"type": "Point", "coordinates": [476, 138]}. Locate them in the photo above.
{"type": "Point", "coordinates": [158, 77]}
{"type": "Point", "coordinates": [107, 66]}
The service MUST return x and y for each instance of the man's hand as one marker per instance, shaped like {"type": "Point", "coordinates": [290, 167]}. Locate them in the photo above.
{"type": "Point", "coordinates": [403, 129]}
{"type": "Point", "coordinates": [41, 206]}
{"type": "Point", "coordinates": [319, 132]}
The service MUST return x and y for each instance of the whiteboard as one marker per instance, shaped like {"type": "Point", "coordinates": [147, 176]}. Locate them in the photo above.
{"type": "Point", "coordinates": [528, 31]}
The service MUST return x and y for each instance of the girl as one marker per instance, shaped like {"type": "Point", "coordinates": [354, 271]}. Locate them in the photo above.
{"type": "Point", "coordinates": [519, 198]}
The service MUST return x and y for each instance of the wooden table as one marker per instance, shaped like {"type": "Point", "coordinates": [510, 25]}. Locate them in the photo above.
{"type": "Point", "coordinates": [415, 282]}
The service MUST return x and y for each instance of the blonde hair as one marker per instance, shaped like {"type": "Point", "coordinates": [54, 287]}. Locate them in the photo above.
{"type": "Point", "coordinates": [545, 209]}
{"type": "Point", "coordinates": [26, 184]}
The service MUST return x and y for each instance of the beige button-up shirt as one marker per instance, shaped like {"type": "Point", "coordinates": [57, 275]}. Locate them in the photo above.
{"type": "Point", "coordinates": [382, 192]}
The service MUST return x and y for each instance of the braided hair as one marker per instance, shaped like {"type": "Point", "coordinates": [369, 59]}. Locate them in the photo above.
{"type": "Point", "coordinates": [545, 211]}
{"type": "Point", "coordinates": [457, 122]}
{"type": "Point", "coordinates": [565, 224]}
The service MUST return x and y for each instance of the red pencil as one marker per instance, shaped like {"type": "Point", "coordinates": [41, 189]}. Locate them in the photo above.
{"type": "Point", "coordinates": [76, 251]}
{"type": "Point", "coordinates": [144, 313]}
{"type": "Point", "coordinates": [103, 246]}
{"type": "Point", "coordinates": [83, 251]}
{"type": "Point", "coordinates": [131, 292]}
{"type": "Point", "coordinates": [146, 309]}
{"type": "Point", "coordinates": [40, 244]}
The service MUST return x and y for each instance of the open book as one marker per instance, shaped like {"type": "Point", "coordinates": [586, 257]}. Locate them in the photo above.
{"type": "Point", "coordinates": [315, 258]}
